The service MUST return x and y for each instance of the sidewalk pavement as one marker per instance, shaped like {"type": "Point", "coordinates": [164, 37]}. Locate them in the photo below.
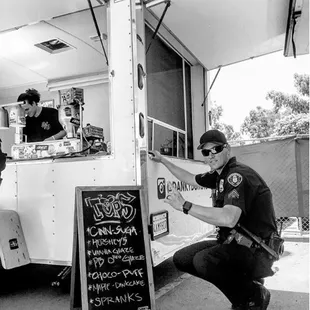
{"type": "Point", "coordinates": [289, 287]}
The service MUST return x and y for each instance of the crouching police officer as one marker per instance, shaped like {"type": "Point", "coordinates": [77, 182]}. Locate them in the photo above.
{"type": "Point", "coordinates": [235, 263]}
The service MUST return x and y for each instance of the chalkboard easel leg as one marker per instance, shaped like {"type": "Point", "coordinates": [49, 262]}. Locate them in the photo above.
{"type": "Point", "coordinates": [75, 291]}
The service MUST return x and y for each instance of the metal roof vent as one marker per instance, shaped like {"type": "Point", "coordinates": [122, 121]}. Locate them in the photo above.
{"type": "Point", "coordinates": [54, 46]}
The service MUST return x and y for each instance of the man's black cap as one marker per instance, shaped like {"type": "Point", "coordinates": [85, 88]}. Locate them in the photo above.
{"type": "Point", "coordinates": [212, 135]}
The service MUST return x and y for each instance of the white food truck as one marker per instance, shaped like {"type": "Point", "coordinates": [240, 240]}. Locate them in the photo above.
{"type": "Point", "coordinates": [142, 70]}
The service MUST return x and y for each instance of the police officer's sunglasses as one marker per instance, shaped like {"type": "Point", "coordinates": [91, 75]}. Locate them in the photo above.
{"type": "Point", "coordinates": [214, 150]}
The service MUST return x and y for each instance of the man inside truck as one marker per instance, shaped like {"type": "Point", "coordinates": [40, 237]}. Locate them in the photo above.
{"type": "Point", "coordinates": [232, 262]}
{"type": "Point", "coordinates": [42, 124]}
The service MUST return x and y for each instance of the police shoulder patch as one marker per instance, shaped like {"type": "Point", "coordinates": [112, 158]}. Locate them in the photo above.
{"type": "Point", "coordinates": [233, 194]}
{"type": "Point", "coordinates": [235, 179]}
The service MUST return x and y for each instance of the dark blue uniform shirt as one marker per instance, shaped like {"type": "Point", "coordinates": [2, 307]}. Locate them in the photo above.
{"type": "Point", "coordinates": [243, 187]}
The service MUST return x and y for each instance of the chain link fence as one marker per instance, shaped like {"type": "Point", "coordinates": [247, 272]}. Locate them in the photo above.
{"type": "Point", "coordinates": [293, 226]}
{"type": "Point", "coordinates": [283, 162]}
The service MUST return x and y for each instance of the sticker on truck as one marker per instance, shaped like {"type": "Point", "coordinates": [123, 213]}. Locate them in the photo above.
{"type": "Point", "coordinates": [163, 187]}
{"type": "Point", "coordinates": [159, 226]}
{"type": "Point", "coordinates": [13, 244]}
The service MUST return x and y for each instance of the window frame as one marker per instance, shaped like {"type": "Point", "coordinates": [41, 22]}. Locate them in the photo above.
{"type": "Point", "coordinates": [164, 124]}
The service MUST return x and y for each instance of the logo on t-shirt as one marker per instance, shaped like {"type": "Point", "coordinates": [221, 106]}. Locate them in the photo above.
{"type": "Point", "coordinates": [46, 126]}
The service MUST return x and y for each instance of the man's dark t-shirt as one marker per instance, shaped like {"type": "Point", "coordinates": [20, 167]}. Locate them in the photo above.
{"type": "Point", "coordinates": [241, 186]}
{"type": "Point", "coordinates": [42, 127]}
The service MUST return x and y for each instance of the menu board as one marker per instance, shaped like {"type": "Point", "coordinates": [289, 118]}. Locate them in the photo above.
{"type": "Point", "coordinates": [111, 265]}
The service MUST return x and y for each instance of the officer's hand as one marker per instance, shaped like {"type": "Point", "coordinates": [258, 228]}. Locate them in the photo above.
{"type": "Point", "coordinates": [155, 155]}
{"type": "Point", "coordinates": [174, 198]}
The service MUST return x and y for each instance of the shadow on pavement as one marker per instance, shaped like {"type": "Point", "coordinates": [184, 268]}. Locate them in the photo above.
{"type": "Point", "coordinates": [34, 276]}
{"type": "Point", "coordinates": [27, 277]}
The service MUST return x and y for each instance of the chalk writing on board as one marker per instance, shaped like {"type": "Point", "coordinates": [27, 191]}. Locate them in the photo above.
{"type": "Point", "coordinates": [114, 260]}
{"type": "Point", "coordinates": [104, 231]}
{"type": "Point", "coordinates": [112, 209]}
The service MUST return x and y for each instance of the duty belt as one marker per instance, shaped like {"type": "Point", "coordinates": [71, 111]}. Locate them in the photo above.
{"type": "Point", "coordinates": [240, 239]}
{"type": "Point", "coordinates": [252, 242]}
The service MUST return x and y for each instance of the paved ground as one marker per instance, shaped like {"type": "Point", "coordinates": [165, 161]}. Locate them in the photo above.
{"type": "Point", "coordinates": [289, 286]}
{"type": "Point", "coordinates": [29, 288]}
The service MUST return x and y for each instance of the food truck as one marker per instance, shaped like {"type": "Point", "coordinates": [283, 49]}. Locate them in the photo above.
{"type": "Point", "coordinates": [127, 77]}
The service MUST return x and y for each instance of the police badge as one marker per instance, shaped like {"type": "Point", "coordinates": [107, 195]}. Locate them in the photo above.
{"type": "Point", "coordinates": [221, 185]}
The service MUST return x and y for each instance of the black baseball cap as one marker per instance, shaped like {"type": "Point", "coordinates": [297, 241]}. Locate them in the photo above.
{"type": "Point", "coordinates": [212, 135]}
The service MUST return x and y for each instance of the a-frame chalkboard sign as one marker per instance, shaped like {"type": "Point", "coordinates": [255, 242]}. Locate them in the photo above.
{"type": "Point", "coordinates": [111, 262]}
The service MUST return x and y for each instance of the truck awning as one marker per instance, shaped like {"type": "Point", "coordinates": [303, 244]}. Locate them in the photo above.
{"type": "Point", "coordinates": [223, 32]}
{"type": "Point", "coordinates": [19, 13]}
{"type": "Point", "coordinates": [216, 32]}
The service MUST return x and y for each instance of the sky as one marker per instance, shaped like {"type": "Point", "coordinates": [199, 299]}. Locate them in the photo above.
{"type": "Point", "coordinates": [242, 87]}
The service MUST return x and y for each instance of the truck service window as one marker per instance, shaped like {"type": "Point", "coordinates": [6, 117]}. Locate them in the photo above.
{"type": "Point", "coordinates": [168, 99]}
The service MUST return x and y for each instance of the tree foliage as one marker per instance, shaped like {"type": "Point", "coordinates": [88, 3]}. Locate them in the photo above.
{"type": "Point", "coordinates": [295, 103]}
{"type": "Point", "coordinates": [289, 115]}
{"type": "Point", "coordinates": [216, 112]}
{"type": "Point", "coordinates": [292, 124]}
{"type": "Point", "coordinates": [259, 124]}
{"type": "Point", "coordinates": [301, 82]}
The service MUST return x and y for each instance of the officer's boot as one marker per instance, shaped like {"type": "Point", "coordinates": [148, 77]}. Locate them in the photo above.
{"type": "Point", "coordinates": [244, 306]}
{"type": "Point", "coordinates": [260, 300]}
{"type": "Point", "coordinates": [239, 307]}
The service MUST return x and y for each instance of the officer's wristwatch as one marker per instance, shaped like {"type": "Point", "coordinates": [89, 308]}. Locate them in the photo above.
{"type": "Point", "coordinates": [187, 206]}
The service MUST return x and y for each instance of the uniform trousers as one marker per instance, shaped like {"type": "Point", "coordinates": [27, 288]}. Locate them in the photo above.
{"type": "Point", "coordinates": [228, 266]}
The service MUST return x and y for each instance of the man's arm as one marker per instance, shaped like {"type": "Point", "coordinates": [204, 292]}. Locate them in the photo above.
{"type": "Point", "coordinates": [57, 136]}
{"type": "Point", "coordinates": [60, 134]}
{"type": "Point", "coordinates": [227, 216]}
{"type": "Point", "coordinates": [56, 124]}
{"type": "Point", "coordinates": [178, 172]}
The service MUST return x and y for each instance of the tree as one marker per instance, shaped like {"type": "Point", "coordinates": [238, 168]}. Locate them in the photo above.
{"type": "Point", "coordinates": [230, 133]}
{"type": "Point", "coordinates": [292, 124]}
{"type": "Point", "coordinates": [215, 114]}
{"type": "Point", "coordinates": [289, 115]}
{"type": "Point", "coordinates": [259, 124]}
{"type": "Point", "coordinates": [295, 103]}
{"type": "Point", "coordinates": [301, 82]}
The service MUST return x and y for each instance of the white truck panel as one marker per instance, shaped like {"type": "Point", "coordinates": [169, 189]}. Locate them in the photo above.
{"type": "Point", "coordinates": [184, 229]}
{"type": "Point", "coordinates": [44, 199]}
{"type": "Point", "coordinates": [8, 188]}
{"type": "Point", "coordinates": [36, 204]}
